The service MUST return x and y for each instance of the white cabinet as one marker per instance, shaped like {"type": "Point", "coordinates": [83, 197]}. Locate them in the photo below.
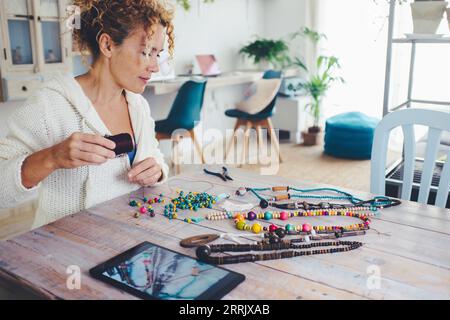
{"type": "Point", "coordinates": [290, 115]}
{"type": "Point", "coordinates": [34, 43]}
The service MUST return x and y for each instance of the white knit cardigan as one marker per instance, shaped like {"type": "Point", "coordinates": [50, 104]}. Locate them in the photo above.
{"type": "Point", "coordinates": [50, 116]}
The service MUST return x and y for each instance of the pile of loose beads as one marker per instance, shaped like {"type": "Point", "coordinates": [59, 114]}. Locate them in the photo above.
{"type": "Point", "coordinates": [145, 206]}
{"type": "Point", "coordinates": [191, 201]}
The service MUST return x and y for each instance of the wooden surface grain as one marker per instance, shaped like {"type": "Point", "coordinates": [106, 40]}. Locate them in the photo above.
{"type": "Point", "coordinates": [407, 247]}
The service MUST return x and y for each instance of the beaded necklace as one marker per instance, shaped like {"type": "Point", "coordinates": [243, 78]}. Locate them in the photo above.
{"type": "Point", "coordinates": [342, 195]}
{"type": "Point", "coordinates": [279, 250]}
{"type": "Point", "coordinates": [306, 228]}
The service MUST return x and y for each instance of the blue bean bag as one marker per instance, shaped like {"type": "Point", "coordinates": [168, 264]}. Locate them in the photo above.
{"type": "Point", "coordinates": [350, 135]}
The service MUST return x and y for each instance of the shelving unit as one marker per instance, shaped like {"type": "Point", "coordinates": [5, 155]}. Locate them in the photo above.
{"type": "Point", "coordinates": [394, 173]}
{"type": "Point", "coordinates": [34, 43]}
{"type": "Point", "coordinates": [414, 43]}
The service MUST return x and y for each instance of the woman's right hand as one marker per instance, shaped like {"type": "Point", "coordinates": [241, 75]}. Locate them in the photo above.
{"type": "Point", "coordinates": [82, 149]}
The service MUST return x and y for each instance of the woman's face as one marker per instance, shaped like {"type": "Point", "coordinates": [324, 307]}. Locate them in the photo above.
{"type": "Point", "coordinates": [134, 61]}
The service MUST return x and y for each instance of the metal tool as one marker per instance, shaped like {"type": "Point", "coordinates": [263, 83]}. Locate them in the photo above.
{"type": "Point", "coordinates": [223, 175]}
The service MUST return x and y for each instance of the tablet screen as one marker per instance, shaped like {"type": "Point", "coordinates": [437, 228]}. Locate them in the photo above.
{"type": "Point", "coordinates": [151, 271]}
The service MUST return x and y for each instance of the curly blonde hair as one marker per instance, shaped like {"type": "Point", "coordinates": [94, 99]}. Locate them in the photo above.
{"type": "Point", "coordinates": [118, 19]}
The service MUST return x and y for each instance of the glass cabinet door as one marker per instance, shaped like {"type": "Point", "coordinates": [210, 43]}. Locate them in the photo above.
{"type": "Point", "coordinates": [16, 7]}
{"type": "Point", "coordinates": [19, 32]}
{"type": "Point", "coordinates": [51, 32]}
{"type": "Point", "coordinates": [20, 42]}
{"type": "Point", "coordinates": [51, 37]}
{"type": "Point", "coordinates": [49, 8]}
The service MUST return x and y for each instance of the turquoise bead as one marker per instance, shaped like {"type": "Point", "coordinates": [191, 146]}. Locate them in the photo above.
{"type": "Point", "coordinates": [133, 203]}
{"type": "Point", "coordinates": [290, 227]}
{"type": "Point", "coordinates": [268, 215]}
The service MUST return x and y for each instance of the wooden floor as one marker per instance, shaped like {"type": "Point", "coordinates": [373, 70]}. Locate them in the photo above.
{"type": "Point", "coordinates": [299, 163]}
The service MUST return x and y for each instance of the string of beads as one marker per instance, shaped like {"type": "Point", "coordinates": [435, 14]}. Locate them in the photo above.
{"type": "Point", "coordinates": [279, 251]}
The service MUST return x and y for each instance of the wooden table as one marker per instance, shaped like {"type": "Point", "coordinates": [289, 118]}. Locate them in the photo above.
{"type": "Point", "coordinates": [409, 246]}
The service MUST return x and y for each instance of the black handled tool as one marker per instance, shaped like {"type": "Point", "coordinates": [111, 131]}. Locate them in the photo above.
{"type": "Point", "coordinates": [223, 175]}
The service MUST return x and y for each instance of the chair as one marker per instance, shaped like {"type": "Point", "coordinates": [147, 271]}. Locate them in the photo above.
{"type": "Point", "coordinates": [437, 122]}
{"type": "Point", "coordinates": [258, 121]}
{"type": "Point", "coordinates": [184, 114]}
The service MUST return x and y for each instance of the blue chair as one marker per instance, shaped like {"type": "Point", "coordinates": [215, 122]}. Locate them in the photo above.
{"type": "Point", "coordinates": [258, 121]}
{"type": "Point", "coordinates": [183, 115]}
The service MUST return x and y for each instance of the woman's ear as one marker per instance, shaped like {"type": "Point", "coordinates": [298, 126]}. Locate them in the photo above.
{"type": "Point", "coordinates": [105, 44]}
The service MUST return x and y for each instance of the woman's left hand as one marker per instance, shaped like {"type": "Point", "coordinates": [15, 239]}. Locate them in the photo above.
{"type": "Point", "coordinates": [145, 173]}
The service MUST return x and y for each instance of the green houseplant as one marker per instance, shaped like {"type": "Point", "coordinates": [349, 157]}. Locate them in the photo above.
{"type": "Point", "coordinates": [186, 4]}
{"type": "Point", "coordinates": [317, 86]}
{"type": "Point", "coordinates": [319, 80]}
{"type": "Point", "coordinates": [275, 52]}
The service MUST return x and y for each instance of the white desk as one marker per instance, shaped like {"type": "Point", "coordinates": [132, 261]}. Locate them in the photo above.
{"type": "Point", "coordinates": [235, 78]}
{"type": "Point", "coordinates": [290, 115]}
{"type": "Point", "coordinates": [227, 79]}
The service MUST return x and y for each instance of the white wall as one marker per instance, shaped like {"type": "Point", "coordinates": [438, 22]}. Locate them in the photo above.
{"type": "Point", "coordinates": [222, 28]}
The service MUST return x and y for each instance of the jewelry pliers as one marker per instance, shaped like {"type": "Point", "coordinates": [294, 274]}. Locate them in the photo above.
{"type": "Point", "coordinates": [224, 175]}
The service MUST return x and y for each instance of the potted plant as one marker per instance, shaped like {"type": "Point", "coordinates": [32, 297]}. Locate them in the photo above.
{"type": "Point", "coordinates": [427, 15]}
{"type": "Point", "coordinates": [316, 87]}
{"type": "Point", "coordinates": [267, 53]}
{"type": "Point", "coordinates": [317, 83]}
{"type": "Point", "coordinates": [186, 4]}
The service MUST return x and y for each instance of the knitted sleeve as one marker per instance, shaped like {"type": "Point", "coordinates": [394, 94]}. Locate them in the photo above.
{"type": "Point", "coordinates": [27, 133]}
{"type": "Point", "coordinates": [156, 152]}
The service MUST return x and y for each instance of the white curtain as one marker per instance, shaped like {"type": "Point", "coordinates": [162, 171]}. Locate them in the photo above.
{"type": "Point", "coordinates": [357, 35]}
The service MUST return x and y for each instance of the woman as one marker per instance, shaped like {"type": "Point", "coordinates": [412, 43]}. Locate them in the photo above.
{"type": "Point", "coordinates": [56, 147]}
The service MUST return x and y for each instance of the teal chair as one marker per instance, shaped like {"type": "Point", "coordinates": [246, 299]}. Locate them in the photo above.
{"type": "Point", "coordinates": [182, 118]}
{"type": "Point", "coordinates": [258, 121]}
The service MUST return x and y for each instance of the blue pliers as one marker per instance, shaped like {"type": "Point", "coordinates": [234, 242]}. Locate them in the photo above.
{"type": "Point", "coordinates": [224, 175]}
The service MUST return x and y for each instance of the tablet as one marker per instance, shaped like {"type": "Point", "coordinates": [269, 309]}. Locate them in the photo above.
{"type": "Point", "coordinates": [152, 272]}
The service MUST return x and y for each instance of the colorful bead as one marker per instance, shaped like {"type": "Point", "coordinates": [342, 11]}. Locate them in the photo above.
{"type": "Point", "coordinates": [272, 228]}
{"type": "Point", "coordinates": [306, 227]}
{"type": "Point", "coordinates": [256, 228]}
{"type": "Point", "coordinates": [251, 216]}
{"type": "Point", "coordinates": [241, 191]}
{"type": "Point", "coordinates": [133, 203]}
{"type": "Point", "coordinates": [268, 215]}
{"type": "Point", "coordinates": [290, 227]}
{"type": "Point", "coordinates": [284, 215]}
{"type": "Point", "coordinates": [240, 225]}
{"type": "Point", "coordinates": [143, 210]}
